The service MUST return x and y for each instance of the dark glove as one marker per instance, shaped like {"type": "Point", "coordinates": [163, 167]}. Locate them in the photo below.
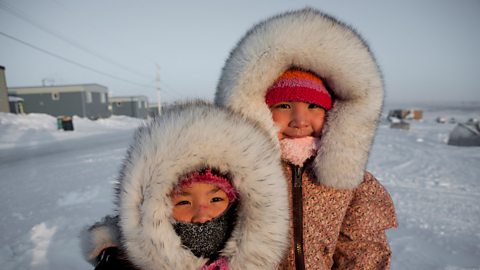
{"type": "Point", "coordinates": [113, 258]}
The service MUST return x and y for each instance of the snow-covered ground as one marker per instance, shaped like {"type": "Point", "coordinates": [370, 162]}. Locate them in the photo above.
{"type": "Point", "coordinates": [54, 183]}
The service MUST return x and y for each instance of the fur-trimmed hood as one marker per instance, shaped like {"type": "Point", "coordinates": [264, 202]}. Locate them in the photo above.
{"type": "Point", "coordinates": [317, 42]}
{"type": "Point", "coordinates": [188, 137]}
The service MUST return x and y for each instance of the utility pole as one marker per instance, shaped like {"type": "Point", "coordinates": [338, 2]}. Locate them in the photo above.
{"type": "Point", "coordinates": [159, 104]}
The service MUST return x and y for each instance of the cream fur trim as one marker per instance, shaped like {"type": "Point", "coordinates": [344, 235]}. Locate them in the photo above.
{"type": "Point", "coordinates": [98, 237]}
{"type": "Point", "coordinates": [314, 41]}
{"type": "Point", "coordinates": [185, 138]}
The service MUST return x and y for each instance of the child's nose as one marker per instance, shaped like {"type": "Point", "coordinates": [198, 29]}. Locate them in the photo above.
{"type": "Point", "coordinates": [299, 118]}
{"type": "Point", "coordinates": [201, 214]}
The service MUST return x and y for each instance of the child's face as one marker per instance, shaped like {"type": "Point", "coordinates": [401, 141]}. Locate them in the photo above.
{"type": "Point", "coordinates": [298, 119]}
{"type": "Point", "coordinates": [199, 203]}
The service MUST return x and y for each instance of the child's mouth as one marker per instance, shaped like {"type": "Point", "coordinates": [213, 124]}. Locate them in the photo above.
{"type": "Point", "coordinates": [297, 134]}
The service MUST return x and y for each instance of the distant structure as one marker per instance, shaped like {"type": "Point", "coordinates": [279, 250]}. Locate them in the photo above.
{"type": "Point", "coordinates": [153, 109]}
{"type": "Point", "coordinates": [413, 114]}
{"type": "Point", "coordinates": [16, 105]}
{"type": "Point", "coordinates": [399, 124]}
{"type": "Point", "coordinates": [84, 100]}
{"type": "Point", "coordinates": [441, 120]}
{"type": "Point", "coordinates": [465, 134]}
{"type": "Point", "coordinates": [133, 106]}
{"type": "Point", "coordinates": [398, 117]}
{"type": "Point", "coordinates": [4, 106]}
{"type": "Point", "coordinates": [444, 120]}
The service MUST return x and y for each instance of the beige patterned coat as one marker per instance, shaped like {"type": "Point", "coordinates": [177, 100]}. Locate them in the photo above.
{"type": "Point", "coordinates": [346, 210]}
{"type": "Point", "coordinates": [344, 229]}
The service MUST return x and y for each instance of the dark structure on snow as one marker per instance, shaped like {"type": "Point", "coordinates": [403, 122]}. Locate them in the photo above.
{"type": "Point", "coordinates": [465, 134]}
{"type": "Point", "coordinates": [414, 114]}
{"type": "Point", "coordinates": [4, 107]}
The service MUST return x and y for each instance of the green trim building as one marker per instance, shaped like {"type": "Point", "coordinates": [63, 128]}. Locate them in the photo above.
{"type": "Point", "coordinates": [84, 100]}
{"type": "Point", "coordinates": [134, 106]}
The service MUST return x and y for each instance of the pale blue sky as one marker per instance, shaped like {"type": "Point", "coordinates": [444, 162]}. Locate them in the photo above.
{"type": "Point", "coordinates": [428, 50]}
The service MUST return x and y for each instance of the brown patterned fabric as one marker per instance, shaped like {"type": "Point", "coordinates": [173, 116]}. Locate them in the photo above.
{"type": "Point", "coordinates": [343, 229]}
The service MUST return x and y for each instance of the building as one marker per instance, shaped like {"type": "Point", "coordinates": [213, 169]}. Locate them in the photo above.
{"type": "Point", "coordinates": [400, 125]}
{"type": "Point", "coordinates": [4, 105]}
{"type": "Point", "coordinates": [16, 105]}
{"type": "Point", "coordinates": [134, 106]}
{"type": "Point", "coordinates": [153, 109]}
{"type": "Point", "coordinates": [84, 100]}
{"type": "Point", "coordinates": [414, 114]}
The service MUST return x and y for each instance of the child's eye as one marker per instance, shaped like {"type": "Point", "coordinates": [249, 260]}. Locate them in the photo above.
{"type": "Point", "coordinates": [282, 106]}
{"type": "Point", "coordinates": [314, 106]}
{"type": "Point", "coordinates": [217, 199]}
{"type": "Point", "coordinates": [182, 203]}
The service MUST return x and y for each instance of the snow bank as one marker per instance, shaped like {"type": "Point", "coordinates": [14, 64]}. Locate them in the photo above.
{"type": "Point", "coordinates": [34, 129]}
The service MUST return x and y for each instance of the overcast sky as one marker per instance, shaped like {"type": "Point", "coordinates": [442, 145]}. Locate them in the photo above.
{"type": "Point", "coordinates": [428, 50]}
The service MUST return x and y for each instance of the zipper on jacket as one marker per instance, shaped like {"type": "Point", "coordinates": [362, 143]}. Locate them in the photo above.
{"type": "Point", "coordinates": [297, 204]}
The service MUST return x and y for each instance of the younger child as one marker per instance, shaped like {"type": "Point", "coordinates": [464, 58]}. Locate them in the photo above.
{"type": "Point", "coordinates": [204, 210]}
{"type": "Point", "coordinates": [194, 193]}
{"type": "Point", "coordinates": [314, 84]}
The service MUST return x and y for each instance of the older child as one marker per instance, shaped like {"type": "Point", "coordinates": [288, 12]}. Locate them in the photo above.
{"type": "Point", "coordinates": [314, 84]}
{"type": "Point", "coordinates": [195, 193]}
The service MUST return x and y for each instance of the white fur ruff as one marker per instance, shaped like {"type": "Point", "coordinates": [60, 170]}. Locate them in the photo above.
{"type": "Point", "coordinates": [101, 235]}
{"type": "Point", "coordinates": [185, 138]}
{"type": "Point", "coordinates": [314, 41]}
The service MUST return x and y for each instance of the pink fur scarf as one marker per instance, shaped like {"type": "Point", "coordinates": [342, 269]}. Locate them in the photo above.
{"type": "Point", "coordinates": [220, 264]}
{"type": "Point", "coordinates": [298, 150]}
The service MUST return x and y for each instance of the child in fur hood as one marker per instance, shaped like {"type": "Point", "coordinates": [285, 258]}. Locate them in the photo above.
{"type": "Point", "coordinates": [195, 193]}
{"type": "Point", "coordinates": [313, 83]}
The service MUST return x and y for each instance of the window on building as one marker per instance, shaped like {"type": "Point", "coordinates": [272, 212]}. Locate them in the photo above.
{"type": "Point", "coordinates": [55, 96]}
{"type": "Point", "coordinates": [103, 97]}
{"type": "Point", "coordinates": [88, 97]}
{"type": "Point", "coordinates": [139, 104]}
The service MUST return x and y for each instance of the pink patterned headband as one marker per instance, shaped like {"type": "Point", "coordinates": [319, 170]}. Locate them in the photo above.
{"type": "Point", "coordinates": [207, 177]}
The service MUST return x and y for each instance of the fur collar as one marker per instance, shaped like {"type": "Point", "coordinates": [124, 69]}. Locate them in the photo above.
{"type": "Point", "coordinates": [188, 137]}
{"type": "Point", "coordinates": [314, 41]}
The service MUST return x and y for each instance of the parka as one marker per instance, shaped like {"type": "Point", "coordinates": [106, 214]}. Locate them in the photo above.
{"type": "Point", "coordinates": [189, 137]}
{"type": "Point", "coordinates": [339, 212]}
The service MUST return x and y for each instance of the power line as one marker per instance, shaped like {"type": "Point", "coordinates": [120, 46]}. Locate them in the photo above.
{"type": "Point", "coordinates": [168, 88]}
{"type": "Point", "coordinates": [10, 9]}
{"type": "Point", "coordinates": [168, 91]}
{"type": "Point", "coordinates": [74, 62]}
{"type": "Point", "coordinates": [72, 42]}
